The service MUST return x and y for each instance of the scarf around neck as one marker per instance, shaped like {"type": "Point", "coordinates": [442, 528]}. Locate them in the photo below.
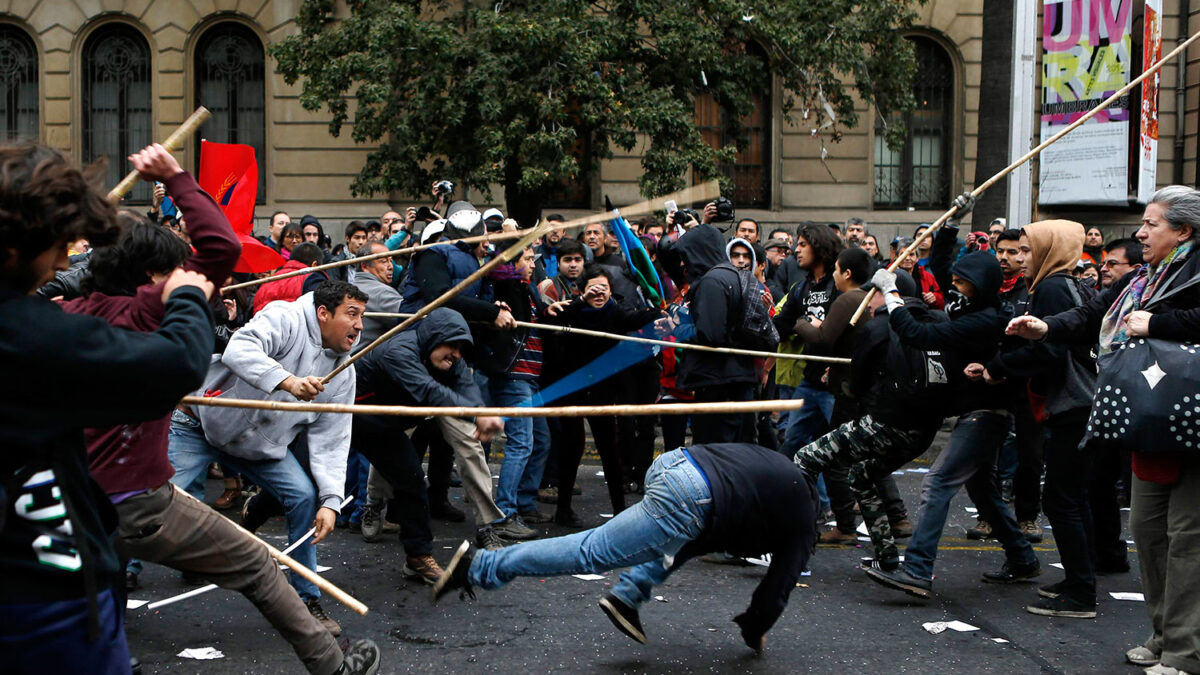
{"type": "Point", "coordinates": [1141, 289]}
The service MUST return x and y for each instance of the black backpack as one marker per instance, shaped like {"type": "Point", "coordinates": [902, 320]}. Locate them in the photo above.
{"type": "Point", "coordinates": [755, 330]}
{"type": "Point", "coordinates": [919, 375]}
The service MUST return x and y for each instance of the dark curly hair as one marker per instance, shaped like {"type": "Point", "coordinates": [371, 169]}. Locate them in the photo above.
{"type": "Point", "coordinates": [825, 243]}
{"type": "Point", "coordinates": [143, 249]}
{"type": "Point", "coordinates": [47, 200]}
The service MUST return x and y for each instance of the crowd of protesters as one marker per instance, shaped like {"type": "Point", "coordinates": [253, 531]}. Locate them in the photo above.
{"type": "Point", "coordinates": [993, 335]}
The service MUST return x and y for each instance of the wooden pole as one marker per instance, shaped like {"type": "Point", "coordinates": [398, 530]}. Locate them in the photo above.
{"type": "Point", "coordinates": [1025, 158]}
{"type": "Point", "coordinates": [648, 341]}
{"type": "Point", "coordinates": [566, 411]}
{"type": "Point", "coordinates": [508, 254]}
{"type": "Point", "coordinates": [174, 142]}
{"type": "Point", "coordinates": [325, 586]}
{"type": "Point", "coordinates": [695, 193]}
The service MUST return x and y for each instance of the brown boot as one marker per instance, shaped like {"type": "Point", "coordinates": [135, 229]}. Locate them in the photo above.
{"type": "Point", "coordinates": [836, 537]}
{"type": "Point", "coordinates": [902, 529]}
{"type": "Point", "coordinates": [422, 568]}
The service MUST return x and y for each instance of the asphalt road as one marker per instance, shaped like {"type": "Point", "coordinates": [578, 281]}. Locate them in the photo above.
{"type": "Point", "coordinates": [837, 622]}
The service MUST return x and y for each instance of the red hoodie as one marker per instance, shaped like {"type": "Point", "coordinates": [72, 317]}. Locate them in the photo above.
{"type": "Point", "coordinates": [284, 289]}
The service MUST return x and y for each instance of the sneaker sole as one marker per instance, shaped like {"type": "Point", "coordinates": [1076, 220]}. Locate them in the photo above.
{"type": "Point", "coordinates": [1066, 614]}
{"type": "Point", "coordinates": [1141, 662]}
{"type": "Point", "coordinates": [619, 621]}
{"type": "Point", "coordinates": [440, 584]}
{"type": "Point", "coordinates": [914, 591]}
{"type": "Point", "coordinates": [410, 573]}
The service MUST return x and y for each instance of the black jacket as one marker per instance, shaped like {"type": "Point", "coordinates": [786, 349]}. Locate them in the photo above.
{"type": "Point", "coordinates": [870, 372]}
{"type": "Point", "coordinates": [134, 377]}
{"type": "Point", "coordinates": [761, 503]}
{"type": "Point", "coordinates": [808, 298]}
{"type": "Point", "coordinates": [564, 354]}
{"type": "Point", "coordinates": [714, 302]}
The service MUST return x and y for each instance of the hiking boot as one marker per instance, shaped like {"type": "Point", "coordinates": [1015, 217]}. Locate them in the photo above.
{"type": "Point", "coordinates": [535, 517]}
{"type": "Point", "coordinates": [899, 579]}
{"type": "Point", "coordinates": [1141, 656]}
{"type": "Point", "coordinates": [1031, 530]}
{"type": "Point", "coordinates": [318, 613]}
{"type": "Point", "coordinates": [624, 617]}
{"type": "Point", "coordinates": [982, 530]}
{"type": "Point", "coordinates": [836, 537]}
{"type": "Point", "coordinates": [455, 577]}
{"type": "Point", "coordinates": [515, 529]}
{"type": "Point", "coordinates": [548, 495]}
{"type": "Point", "coordinates": [1062, 606]}
{"type": "Point", "coordinates": [360, 658]}
{"type": "Point", "coordinates": [228, 499]}
{"type": "Point", "coordinates": [372, 523]}
{"type": "Point", "coordinates": [447, 512]}
{"type": "Point", "coordinates": [1011, 573]}
{"type": "Point", "coordinates": [486, 538]}
{"type": "Point", "coordinates": [253, 515]}
{"type": "Point", "coordinates": [570, 519]}
{"type": "Point", "coordinates": [1051, 591]}
{"type": "Point", "coordinates": [422, 568]}
{"type": "Point", "coordinates": [902, 529]}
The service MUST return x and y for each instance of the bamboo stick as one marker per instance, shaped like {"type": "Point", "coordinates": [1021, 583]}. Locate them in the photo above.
{"type": "Point", "coordinates": [1025, 158]}
{"type": "Point", "coordinates": [173, 143]}
{"type": "Point", "coordinates": [325, 586]}
{"type": "Point", "coordinates": [649, 341]}
{"type": "Point", "coordinates": [562, 411]}
{"type": "Point", "coordinates": [694, 193]}
{"type": "Point", "coordinates": [508, 254]}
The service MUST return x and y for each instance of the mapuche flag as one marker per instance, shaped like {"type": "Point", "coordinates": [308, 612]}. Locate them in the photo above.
{"type": "Point", "coordinates": [229, 174]}
{"type": "Point", "coordinates": [638, 259]}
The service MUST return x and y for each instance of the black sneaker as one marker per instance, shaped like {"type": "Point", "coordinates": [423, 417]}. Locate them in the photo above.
{"type": "Point", "coordinates": [1062, 606]}
{"type": "Point", "coordinates": [447, 512]}
{"type": "Point", "coordinates": [1011, 573]}
{"type": "Point", "coordinates": [873, 562]}
{"type": "Point", "coordinates": [318, 613]}
{"type": "Point", "coordinates": [1051, 591]}
{"type": "Point", "coordinates": [624, 617]}
{"type": "Point", "coordinates": [253, 515]}
{"type": "Point", "coordinates": [455, 577]}
{"type": "Point", "coordinates": [486, 538]}
{"type": "Point", "coordinates": [901, 580]}
{"type": "Point", "coordinates": [360, 658]}
{"type": "Point", "coordinates": [515, 529]}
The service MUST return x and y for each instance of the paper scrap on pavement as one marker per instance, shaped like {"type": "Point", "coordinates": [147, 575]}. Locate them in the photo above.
{"type": "Point", "coordinates": [862, 529]}
{"type": "Point", "coordinates": [130, 603]}
{"type": "Point", "coordinates": [660, 598]}
{"type": "Point", "coordinates": [322, 569]}
{"type": "Point", "coordinates": [1058, 565]}
{"type": "Point", "coordinates": [600, 474]}
{"type": "Point", "coordinates": [588, 577]}
{"type": "Point", "coordinates": [1000, 640]}
{"type": "Point", "coordinates": [936, 627]}
{"type": "Point", "coordinates": [971, 509]}
{"type": "Point", "coordinates": [606, 515]}
{"type": "Point", "coordinates": [1136, 597]}
{"type": "Point", "coordinates": [920, 470]}
{"type": "Point", "coordinates": [806, 573]}
{"type": "Point", "coordinates": [201, 653]}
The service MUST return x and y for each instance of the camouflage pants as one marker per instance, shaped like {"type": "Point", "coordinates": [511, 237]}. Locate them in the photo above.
{"type": "Point", "coordinates": [872, 451]}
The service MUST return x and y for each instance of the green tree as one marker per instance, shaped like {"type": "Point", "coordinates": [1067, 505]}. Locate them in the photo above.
{"type": "Point", "coordinates": [505, 92]}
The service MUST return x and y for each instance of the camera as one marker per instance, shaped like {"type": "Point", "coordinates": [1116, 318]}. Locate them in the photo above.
{"type": "Point", "coordinates": [684, 215]}
{"type": "Point", "coordinates": [443, 188]}
{"type": "Point", "coordinates": [724, 210]}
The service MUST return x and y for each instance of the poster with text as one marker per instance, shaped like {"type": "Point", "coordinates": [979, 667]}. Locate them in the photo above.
{"type": "Point", "coordinates": [1086, 57]}
{"type": "Point", "coordinates": [1148, 134]}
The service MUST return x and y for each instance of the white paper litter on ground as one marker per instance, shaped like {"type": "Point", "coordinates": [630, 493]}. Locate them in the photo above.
{"type": "Point", "coordinates": [1136, 597]}
{"type": "Point", "coordinates": [600, 473]}
{"type": "Point", "coordinates": [588, 577]}
{"type": "Point", "coordinates": [606, 515]}
{"type": "Point", "coordinates": [806, 573]}
{"type": "Point", "coordinates": [971, 509]}
{"type": "Point", "coordinates": [764, 561]}
{"type": "Point", "coordinates": [1000, 640]}
{"type": "Point", "coordinates": [322, 569]}
{"type": "Point", "coordinates": [862, 529]}
{"type": "Point", "coordinates": [936, 627]}
{"type": "Point", "coordinates": [130, 603]}
{"type": "Point", "coordinates": [1125, 508]}
{"type": "Point", "coordinates": [1058, 565]}
{"type": "Point", "coordinates": [660, 598]}
{"type": "Point", "coordinates": [1130, 542]}
{"type": "Point", "coordinates": [919, 470]}
{"type": "Point", "coordinates": [201, 653]}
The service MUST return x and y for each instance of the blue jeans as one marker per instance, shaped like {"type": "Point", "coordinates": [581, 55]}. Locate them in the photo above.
{"type": "Point", "coordinates": [784, 393]}
{"type": "Point", "coordinates": [969, 458]}
{"type": "Point", "coordinates": [526, 447]}
{"type": "Point", "coordinates": [357, 471]}
{"type": "Point", "coordinates": [285, 479]}
{"type": "Point", "coordinates": [52, 637]}
{"type": "Point", "coordinates": [648, 535]}
{"type": "Point", "coordinates": [808, 423]}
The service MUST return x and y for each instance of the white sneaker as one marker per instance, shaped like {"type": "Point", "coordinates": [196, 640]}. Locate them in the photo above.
{"type": "Point", "coordinates": [1141, 656]}
{"type": "Point", "coordinates": [1160, 669]}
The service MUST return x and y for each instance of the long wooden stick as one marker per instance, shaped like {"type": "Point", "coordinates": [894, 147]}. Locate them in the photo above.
{"type": "Point", "coordinates": [173, 143]}
{"type": "Point", "coordinates": [508, 254]}
{"type": "Point", "coordinates": [719, 407]}
{"type": "Point", "coordinates": [648, 341]}
{"type": "Point", "coordinates": [325, 586]}
{"type": "Point", "coordinates": [1025, 158]}
{"type": "Point", "coordinates": [694, 193]}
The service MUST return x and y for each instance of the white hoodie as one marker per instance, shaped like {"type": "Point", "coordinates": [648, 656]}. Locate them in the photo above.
{"type": "Point", "coordinates": [283, 339]}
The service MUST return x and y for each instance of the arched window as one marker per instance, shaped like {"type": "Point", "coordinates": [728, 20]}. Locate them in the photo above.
{"type": "Point", "coordinates": [919, 175]}
{"type": "Point", "coordinates": [229, 82]}
{"type": "Point", "coordinates": [117, 115]}
{"type": "Point", "coordinates": [751, 168]}
{"type": "Point", "coordinates": [19, 82]}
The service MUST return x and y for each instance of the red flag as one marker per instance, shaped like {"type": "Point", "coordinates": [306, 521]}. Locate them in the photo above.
{"type": "Point", "coordinates": [229, 174]}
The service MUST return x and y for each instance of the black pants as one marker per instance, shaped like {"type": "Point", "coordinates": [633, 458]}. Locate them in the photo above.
{"type": "Point", "coordinates": [1027, 481]}
{"type": "Point", "coordinates": [635, 434]}
{"type": "Point", "coordinates": [392, 454]}
{"type": "Point", "coordinates": [441, 459]}
{"type": "Point", "coordinates": [674, 429]}
{"type": "Point", "coordinates": [724, 427]}
{"type": "Point", "coordinates": [1065, 499]}
{"type": "Point", "coordinates": [570, 444]}
{"type": "Point", "coordinates": [1112, 555]}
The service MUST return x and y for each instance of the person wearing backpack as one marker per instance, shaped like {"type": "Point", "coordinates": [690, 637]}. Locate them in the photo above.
{"type": "Point", "coordinates": [1062, 382]}
{"type": "Point", "coordinates": [972, 336]}
{"type": "Point", "coordinates": [717, 306]}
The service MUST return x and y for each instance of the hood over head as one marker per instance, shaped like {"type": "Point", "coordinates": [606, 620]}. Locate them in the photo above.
{"type": "Point", "coordinates": [983, 271]}
{"type": "Point", "coordinates": [440, 326]}
{"type": "Point", "coordinates": [1054, 246]}
{"type": "Point", "coordinates": [905, 285]}
{"type": "Point", "coordinates": [463, 220]}
{"type": "Point", "coordinates": [701, 249]}
{"type": "Point", "coordinates": [743, 242]}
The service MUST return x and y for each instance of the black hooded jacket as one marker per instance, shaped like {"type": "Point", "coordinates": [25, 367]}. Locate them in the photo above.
{"type": "Point", "coordinates": [972, 335]}
{"type": "Point", "coordinates": [871, 373]}
{"type": "Point", "coordinates": [398, 372]}
{"type": "Point", "coordinates": [715, 303]}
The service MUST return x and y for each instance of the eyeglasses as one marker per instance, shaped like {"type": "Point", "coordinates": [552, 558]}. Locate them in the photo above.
{"type": "Point", "coordinates": [1113, 263]}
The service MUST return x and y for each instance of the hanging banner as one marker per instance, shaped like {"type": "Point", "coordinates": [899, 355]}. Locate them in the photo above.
{"type": "Point", "coordinates": [1086, 57]}
{"type": "Point", "coordinates": [1148, 137]}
